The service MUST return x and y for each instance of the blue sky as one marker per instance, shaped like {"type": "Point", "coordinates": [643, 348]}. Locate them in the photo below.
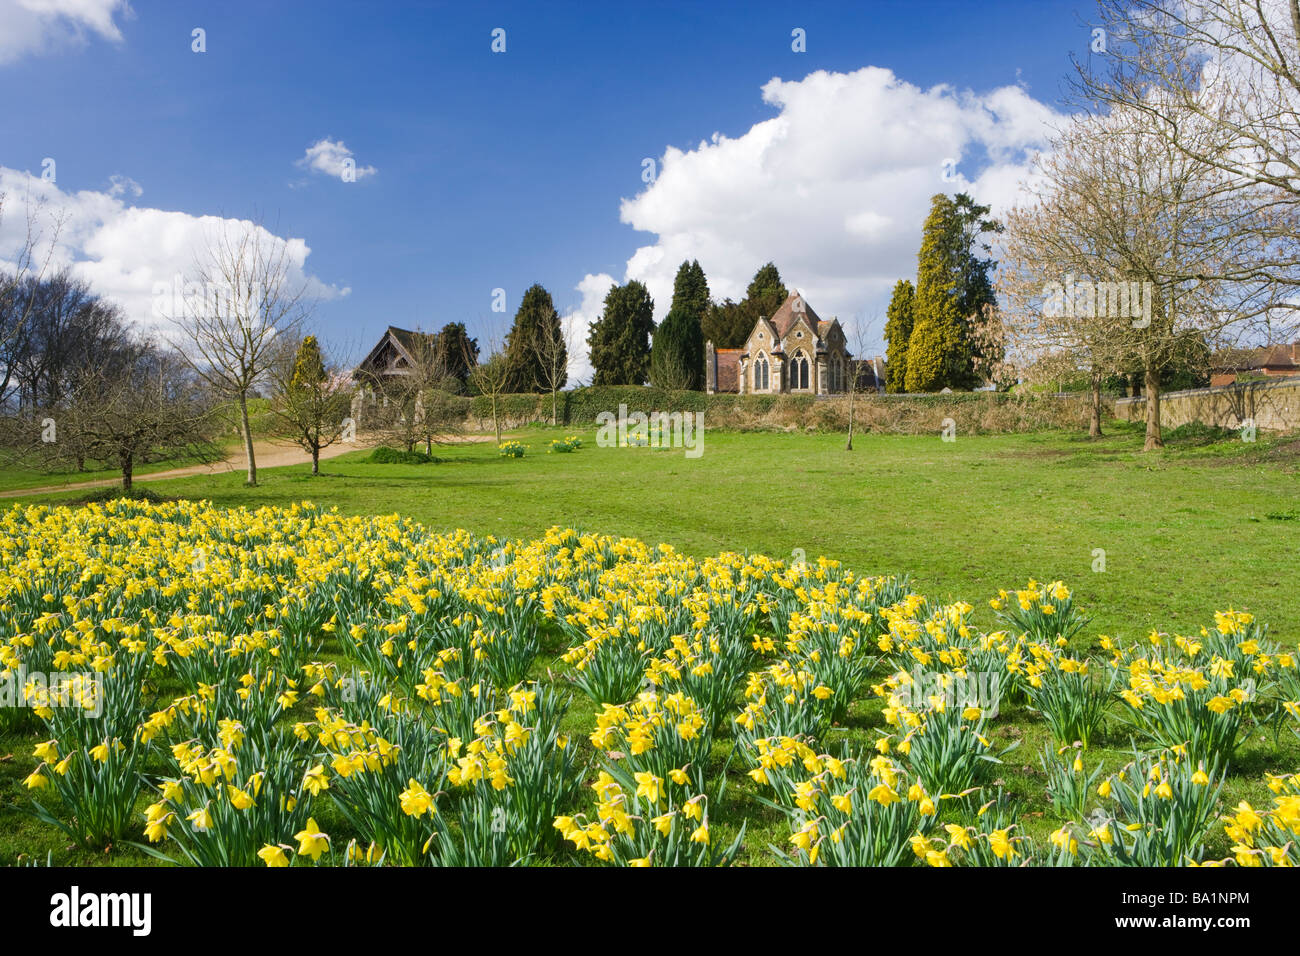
{"type": "Point", "coordinates": [503, 169]}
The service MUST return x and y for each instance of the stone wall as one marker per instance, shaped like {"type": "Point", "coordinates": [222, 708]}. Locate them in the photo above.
{"type": "Point", "coordinates": [1274, 406]}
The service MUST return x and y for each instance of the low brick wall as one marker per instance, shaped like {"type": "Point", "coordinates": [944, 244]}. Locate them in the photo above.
{"type": "Point", "coordinates": [1274, 406]}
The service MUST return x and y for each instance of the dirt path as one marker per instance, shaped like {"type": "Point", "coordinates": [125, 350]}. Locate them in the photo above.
{"type": "Point", "coordinates": [269, 455]}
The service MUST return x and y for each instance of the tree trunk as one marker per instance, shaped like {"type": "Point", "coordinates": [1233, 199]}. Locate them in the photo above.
{"type": "Point", "coordinates": [496, 421]}
{"type": "Point", "coordinates": [315, 459]}
{"type": "Point", "coordinates": [555, 419]}
{"type": "Point", "coordinates": [1151, 386]}
{"type": "Point", "coordinates": [128, 469]}
{"type": "Point", "coordinates": [428, 445]}
{"type": "Point", "coordinates": [1094, 423]}
{"type": "Point", "coordinates": [848, 446]}
{"type": "Point", "coordinates": [248, 438]}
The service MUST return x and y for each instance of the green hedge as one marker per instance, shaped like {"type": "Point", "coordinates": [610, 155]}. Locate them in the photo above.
{"type": "Point", "coordinates": [522, 407]}
{"type": "Point", "coordinates": [981, 411]}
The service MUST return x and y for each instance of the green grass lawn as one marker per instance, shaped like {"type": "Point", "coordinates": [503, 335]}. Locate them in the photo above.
{"type": "Point", "coordinates": [1185, 531]}
{"type": "Point", "coordinates": [14, 476]}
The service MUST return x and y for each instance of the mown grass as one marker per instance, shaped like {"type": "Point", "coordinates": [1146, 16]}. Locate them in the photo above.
{"type": "Point", "coordinates": [1185, 531]}
{"type": "Point", "coordinates": [15, 474]}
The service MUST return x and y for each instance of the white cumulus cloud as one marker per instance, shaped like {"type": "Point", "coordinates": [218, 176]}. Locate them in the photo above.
{"type": "Point", "coordinates": [127, 254]}
{"type": "Point", "coordinates": [332, 158]}
{"type": "Point", "coordinates": [43, 26]}
{"type": "Point", "coordinates": [833, 189]}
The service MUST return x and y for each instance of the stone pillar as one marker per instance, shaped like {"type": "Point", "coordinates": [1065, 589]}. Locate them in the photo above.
{"type": "Point", "coordinates": [710, 369]}
{"type": "Point", "coordinates": [821, 376]}
{"type": "Point", "coordinates": [742, 374]}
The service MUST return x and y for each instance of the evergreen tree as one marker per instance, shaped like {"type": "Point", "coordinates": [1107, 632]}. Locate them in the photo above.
{"type": "Point", "coordinates": [536, 321]}
{"type": "Point", "coordinates": [620, 339]}
{"type": "Point", "coordinates": [457, 352]}
{"type": "Point", "coordinates": [677, 356]}
{"type": "Point", "coordinates": [727, 324]}
{"type": "Point", "coordinates": [938, 351]}
{"type": "Point", "coordinates": [765, 294]}
{"type": "Point", "coordinates": [954, 287]}
{"type": "Point", "coordinates": [898, 330]}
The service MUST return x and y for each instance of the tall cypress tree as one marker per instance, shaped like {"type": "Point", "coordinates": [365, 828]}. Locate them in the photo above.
{"type": "Point", "coordinates": [620, 339]}
{"type": "Point", "coordinates": [898, 330]}
{"type": "Point", "coordinates": [536, 321]}
{"type": "Point", "coordinates": [677, 356]}
{"type": "Point", "coordinates": [938, 353]}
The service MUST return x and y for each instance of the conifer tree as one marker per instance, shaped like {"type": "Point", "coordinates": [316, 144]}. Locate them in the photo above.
{"type": "Point", "coordinates": [677, 356]}
{"type": "Point", "coordinates": [898, 330]}
{"type": "Point", "coordinates": [536, 321]}
{"type": "Point", "coordinates": [620, 339]}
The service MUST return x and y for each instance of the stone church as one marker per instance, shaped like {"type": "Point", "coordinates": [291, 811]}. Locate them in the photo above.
{"type": "Point", "coordinates": [794, 352]}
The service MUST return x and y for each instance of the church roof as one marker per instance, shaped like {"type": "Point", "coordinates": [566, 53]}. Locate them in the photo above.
{"type": "Point", "coordinates": [403, 340]}
{"type": "Point", "coordinates": [785, 317]}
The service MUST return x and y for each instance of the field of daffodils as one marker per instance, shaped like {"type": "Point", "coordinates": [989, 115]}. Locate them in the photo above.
{"type": "Point", "coordinates": [295, 687]}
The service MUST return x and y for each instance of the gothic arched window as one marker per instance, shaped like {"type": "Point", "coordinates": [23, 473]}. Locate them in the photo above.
{"type": "Point", "coordinates": [799, 372]}
{"type": "Point", "coordinates": [761, 374]}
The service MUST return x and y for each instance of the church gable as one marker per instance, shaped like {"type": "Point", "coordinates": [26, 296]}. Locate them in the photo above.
{"type": "Point", "coordinates": [762, 338]}
{"type": "Point", "coordinates": [801, 334]}
{"type": "Point", "coordinates": [831, 334]}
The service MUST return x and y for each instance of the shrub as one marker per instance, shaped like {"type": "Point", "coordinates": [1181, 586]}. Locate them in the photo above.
{"type": "Point", "coordinates": [1199, 433]}
{"type": "Point", "coordinates": [383, 455]}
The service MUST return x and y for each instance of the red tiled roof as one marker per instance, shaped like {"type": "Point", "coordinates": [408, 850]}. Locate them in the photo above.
{"type": "Point", "coordinates": [1270, 356]}
{"type": "Point", "coordinates": [1279, 356]}
{"type": "Point", "coordinates": [784, 317]}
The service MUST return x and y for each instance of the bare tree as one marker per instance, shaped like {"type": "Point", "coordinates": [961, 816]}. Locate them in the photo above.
{"type": "Point", "coordinates": [19, 287]}
{"type": "Point", "coordinates": [1219, 82]}
{"type": "Point", "coordinates": [67, 327]}
{"type": "Point", "coordinates": [244, 302]}
{"type": "Point", "coordinates": [491, 378]}
{"type": "Point", "coordinates": [312, 397]}
{"type": "Point", "coordinates": [1124, 247]}
{"type": "Point", "coordinates": [133, 402]}
{"type": "Point", "coordinates": [553, 347]}
{"type": "Point", "coordinates": [861, 331]}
